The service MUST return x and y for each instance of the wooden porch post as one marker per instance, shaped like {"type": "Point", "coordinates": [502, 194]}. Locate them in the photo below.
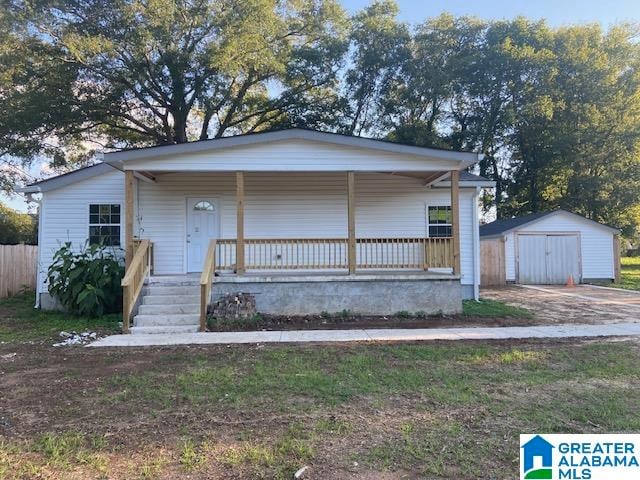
{"type": "Point", "coordinates": [455, 219]}
{"type": "Point", "coordinates": [240, 268]}
{"type": "Point", "coordinates": [129, 181]}
{"type": "Point", "coordinates": [351, 221]}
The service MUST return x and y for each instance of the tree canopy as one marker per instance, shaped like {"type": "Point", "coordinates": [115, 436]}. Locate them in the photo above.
{"type": "Point", "coordinates": [556, 111]}
{"type": "Point", "coordinates": [16, 227]}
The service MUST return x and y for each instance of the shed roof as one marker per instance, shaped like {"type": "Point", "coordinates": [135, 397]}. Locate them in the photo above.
{"type": "Point", "coordinates": [502, 226]}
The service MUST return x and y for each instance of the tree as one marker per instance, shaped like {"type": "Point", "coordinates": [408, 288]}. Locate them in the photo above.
{"type": "Point", "coordinates": [17, 227]}
{"type": "Point", "coordinates": [416, 107]}
{"type": "Point", "coordinates": [379, 50]}
{"type": "Point", "coordinates": [133, 72]}
{"type": "Point", "coordinates": [36, 111]}
{"type": "Point", "coordinates": [529, 64]}
{"type": "Point", "coordinates": [555, 111]}
{"type": "Point", "coordinates": [599, 125]}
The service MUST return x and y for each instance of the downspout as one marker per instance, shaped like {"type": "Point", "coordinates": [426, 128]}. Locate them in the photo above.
{"type": "Point", "coordinates": [40, 215]}
{"type": "Point", "coordinates": [476, 247]}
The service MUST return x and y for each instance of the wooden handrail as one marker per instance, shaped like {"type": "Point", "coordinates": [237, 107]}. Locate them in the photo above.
{"type": "Point", "coordinates": [133, 280]}
{"type": "Point", "coordinates": [331, 253]}
{"type": "Point", "coordinates": [206, 279]}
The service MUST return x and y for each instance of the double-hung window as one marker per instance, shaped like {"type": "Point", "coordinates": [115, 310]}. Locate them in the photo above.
{"type": "Point", "coordinates": [439, 221]}
{"type": "Point", "coordinates": [104, 224]}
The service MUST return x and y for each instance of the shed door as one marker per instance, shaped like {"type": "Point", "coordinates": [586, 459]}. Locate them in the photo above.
{"type": "Point", "coordinates": [548, 259]}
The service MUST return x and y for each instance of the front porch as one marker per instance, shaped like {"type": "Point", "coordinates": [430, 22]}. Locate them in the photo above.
{"type": "Point", "coordinates": [326, 209]}
{"type": "Point", "coordinates": [364, 274]}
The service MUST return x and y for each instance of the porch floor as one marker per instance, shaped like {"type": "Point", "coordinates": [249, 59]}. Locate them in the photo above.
{"type": "Point", "coordinates": [368, 335]}
{"type": "Point", "coordinates": [267, 276]}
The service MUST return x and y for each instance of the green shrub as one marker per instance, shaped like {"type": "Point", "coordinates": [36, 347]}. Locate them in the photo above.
{"type": "Point", "coordinates": [87, 282]}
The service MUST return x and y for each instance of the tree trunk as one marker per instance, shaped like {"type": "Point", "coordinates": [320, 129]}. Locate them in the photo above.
{"type": "Point", "coordinates": [180, 127]}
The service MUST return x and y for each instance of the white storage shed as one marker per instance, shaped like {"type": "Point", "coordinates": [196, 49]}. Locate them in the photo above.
{"type": "Point", "coordinates": [547, 248]}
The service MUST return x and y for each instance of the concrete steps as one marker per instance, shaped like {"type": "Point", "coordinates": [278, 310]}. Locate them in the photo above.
{"type": "Point", "coordinates": [169, 305]}
{"type": "Point", "coordinates": [170, 299]}
{"type": "Point", "coordinates": [164, 329]}
{"type": "Point", "coordinates": [168, 309]}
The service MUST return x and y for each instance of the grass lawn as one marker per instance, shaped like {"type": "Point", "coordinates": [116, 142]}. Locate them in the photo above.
{"type": "Point", "coordinates": [19, 321]}
{"type": "Point", "coordinates": [493, 308]}
{"type": "Point", "coordinates": [436, 410]}
{"type": "Point", "coordinates": [630, 273]}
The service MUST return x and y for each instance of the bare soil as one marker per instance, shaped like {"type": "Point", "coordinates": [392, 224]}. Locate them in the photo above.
{"type": "Point", "coordinates": [312, 322]}
{"type": "Point", "coordinates": [555, 304]}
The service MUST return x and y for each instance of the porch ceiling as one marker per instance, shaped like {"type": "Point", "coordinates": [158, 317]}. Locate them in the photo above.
{"type": "Point", "coordinates": [428, 177]}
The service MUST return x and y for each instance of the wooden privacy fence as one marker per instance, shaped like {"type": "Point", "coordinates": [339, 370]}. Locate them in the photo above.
{"type": "Point", "coordinates": [18, 267]}
{"type": "Point", "coordinates": [332, 253]}
{"type": "Point", "coordinates": [492, 262]}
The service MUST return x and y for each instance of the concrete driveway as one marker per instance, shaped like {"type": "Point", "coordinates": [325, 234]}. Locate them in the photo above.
{"type": "Point", "coordinates": [581, 304]}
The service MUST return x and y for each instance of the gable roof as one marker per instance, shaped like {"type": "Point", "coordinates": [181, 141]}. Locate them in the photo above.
{"type": "Point", "coordinates": [115, 160]}
{"type": "Point", "coordinates": [120, 157]}
{"type": "Point", "coordinates": [466, 179]}
{"type": "Point", "coordinates": [503, 226]}
{"type": "Point", "coordinates": [68, 178]}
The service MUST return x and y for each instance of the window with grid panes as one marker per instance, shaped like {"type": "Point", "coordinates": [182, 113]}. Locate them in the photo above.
{"type": "Point", "coordinates": [104, 224]}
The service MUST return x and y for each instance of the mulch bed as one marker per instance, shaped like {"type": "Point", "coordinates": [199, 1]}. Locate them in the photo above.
{"type": "Point", "coordinates": [338, 322]}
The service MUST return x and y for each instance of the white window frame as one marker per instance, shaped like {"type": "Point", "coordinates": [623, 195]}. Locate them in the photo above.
{"type": "Point", "coordinates": [91, 224]}
{"type": "Point", "coordinates": [429, 224]}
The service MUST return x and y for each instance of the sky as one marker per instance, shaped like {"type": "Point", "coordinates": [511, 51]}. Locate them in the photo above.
{"type": "Point", "coordinates": [556, 12]}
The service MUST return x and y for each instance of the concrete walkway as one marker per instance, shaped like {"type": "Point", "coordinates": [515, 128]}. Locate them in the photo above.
{"type": "Point", "coordinates": [380, 335]}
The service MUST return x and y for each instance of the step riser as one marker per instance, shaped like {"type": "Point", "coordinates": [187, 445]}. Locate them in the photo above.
{"type": "Point", "coordinates": [170, 299]}
{"type": "Point", "coordinates": [164, 329]}
{"type": "Point", "coordinates": [160, 323]}
{"type": "Point", "coordinates": [174, 281]}
{"type": "Point", "coordinates": [177, 319]}
{"type": "Point", "coordinates": [178, 290]}
{"type": "Point", "coordinates": [168, 309]}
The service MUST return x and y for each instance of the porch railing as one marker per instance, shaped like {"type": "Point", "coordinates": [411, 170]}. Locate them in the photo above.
{"type": "Point", "coordinates": [133, 281]}
{"type": "Point", "coordinates": [206, 280]}
{"type": "Point", "coordinates": [404, 253]}
{"type": "Point", "coordinates": [332, 253]}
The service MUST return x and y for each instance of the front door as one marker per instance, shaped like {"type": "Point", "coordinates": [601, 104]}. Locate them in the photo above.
{"type": "Point", "coordinates": [202, 226]}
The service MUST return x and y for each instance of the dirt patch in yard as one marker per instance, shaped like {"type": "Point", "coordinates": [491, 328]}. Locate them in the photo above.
{"type": "Point", "coordinates": [582, 304]}
{"type": "Point", "coordinates": [309, 322]}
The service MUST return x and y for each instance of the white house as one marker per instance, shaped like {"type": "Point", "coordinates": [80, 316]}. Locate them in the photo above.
{"type": "Point", "coordinates": [548, 247]}
{"type": "Point", "coordinates": [306, 221]}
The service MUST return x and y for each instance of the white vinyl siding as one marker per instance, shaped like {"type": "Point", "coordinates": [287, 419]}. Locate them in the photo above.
{"type": "Point", "coordinates": [596, 244]}
{"type": "Point", "coordinates": [295, 205]}
{"type": "Point", "coordinates": [293, 155]}
{"type": "Point", "coordinates": [65, 215]}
